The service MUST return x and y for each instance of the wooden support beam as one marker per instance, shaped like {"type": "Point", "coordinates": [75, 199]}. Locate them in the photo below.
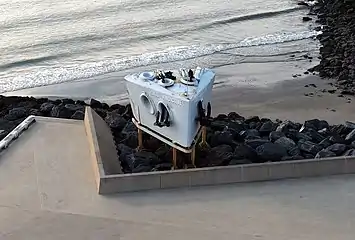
{"type": "Point", "coordinates": [140, 139]}
{"type": "Point", "coordinates": [174, 158]}
{"type": "Point", "coordinates": [193, 156]}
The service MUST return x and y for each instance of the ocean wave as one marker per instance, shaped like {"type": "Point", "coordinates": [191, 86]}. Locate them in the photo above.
{"type": "Point", "coordinates": [265, 55]}
{"type": "Point", "coordinates": [70, 15]}
{"type": "Point", "coordinates": [122, 33]}
{"type": "Point", "coordinates": [86, 70]}
{"type": "Point", "coordinates": [199, 27]}
{"type": "Point", "coordinates": [30, 61]}
{"type": "Point", "coordinates": [69, 40]}
{"type": "Point", "coordinates": [252, 16]}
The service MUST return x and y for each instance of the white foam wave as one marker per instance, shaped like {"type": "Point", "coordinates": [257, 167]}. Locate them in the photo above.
{"type": "Point", "coordinates": [81, 71]}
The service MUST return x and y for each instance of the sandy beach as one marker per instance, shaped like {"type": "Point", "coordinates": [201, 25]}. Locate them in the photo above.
{"type": "Point", "coordinates": [287, 100]}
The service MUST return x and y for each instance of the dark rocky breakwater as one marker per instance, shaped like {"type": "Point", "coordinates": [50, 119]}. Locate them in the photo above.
{"type": "Point", "coordinates": [233, 139]}
{"type": "Point", "coordinates": [337, 54]}
{"type": "Point", "coordinates": [13, 110]}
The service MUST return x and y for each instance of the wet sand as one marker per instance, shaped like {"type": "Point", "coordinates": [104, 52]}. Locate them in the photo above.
{"type": "Point", "coordinates": [287, 101]}
{"type": "Point", "coordinates": [111, 87]}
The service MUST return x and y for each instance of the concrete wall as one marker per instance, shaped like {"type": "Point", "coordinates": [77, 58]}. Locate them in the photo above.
{"type": "Point", "coordinates": [102, 147]}
{"type": "Point", "coordinates": [226, 175]}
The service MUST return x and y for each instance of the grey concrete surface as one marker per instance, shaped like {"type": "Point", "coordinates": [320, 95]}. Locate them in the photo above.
{"type": "Point", "coordinates": [51, 194]}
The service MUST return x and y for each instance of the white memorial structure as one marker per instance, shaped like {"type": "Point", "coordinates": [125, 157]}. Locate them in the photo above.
{"type": "Point", "coordinates": [172, 106]}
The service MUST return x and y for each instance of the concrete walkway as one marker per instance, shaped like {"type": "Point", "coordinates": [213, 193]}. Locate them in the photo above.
{"type": "Point", "coordinates": [51, 194]}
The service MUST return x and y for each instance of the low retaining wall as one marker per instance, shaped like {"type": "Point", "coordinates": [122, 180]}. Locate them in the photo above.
{"type": "Point", "coordinates": [226, 175]}
{"type": "Point", "coordinates": [102, 156]}
{"type": "Point", "coordinates": [103, 151]}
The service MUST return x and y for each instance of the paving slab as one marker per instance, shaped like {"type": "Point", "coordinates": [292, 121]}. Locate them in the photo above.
{"type": "Point", "coordinates": [18, 177]}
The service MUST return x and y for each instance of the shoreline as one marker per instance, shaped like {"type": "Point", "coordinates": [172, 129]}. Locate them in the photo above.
{"type": "Point", "coordinates": [283, 100]}
{"type": "Point", "coordinates": [110, 87]}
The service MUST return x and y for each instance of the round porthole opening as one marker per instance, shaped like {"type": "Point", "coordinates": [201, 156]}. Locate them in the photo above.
{"type": "Point", "coordinates": [147, 103]}
{"type": "Point", "coordinates": [165, 113]}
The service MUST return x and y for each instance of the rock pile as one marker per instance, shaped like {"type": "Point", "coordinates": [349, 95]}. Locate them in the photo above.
{"type": "Point", "coordinates": [13, 110]}
{"type": "Point", "coordinates": [337, 58]}
{"type": "Point", "coordinates": [237, 140]}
